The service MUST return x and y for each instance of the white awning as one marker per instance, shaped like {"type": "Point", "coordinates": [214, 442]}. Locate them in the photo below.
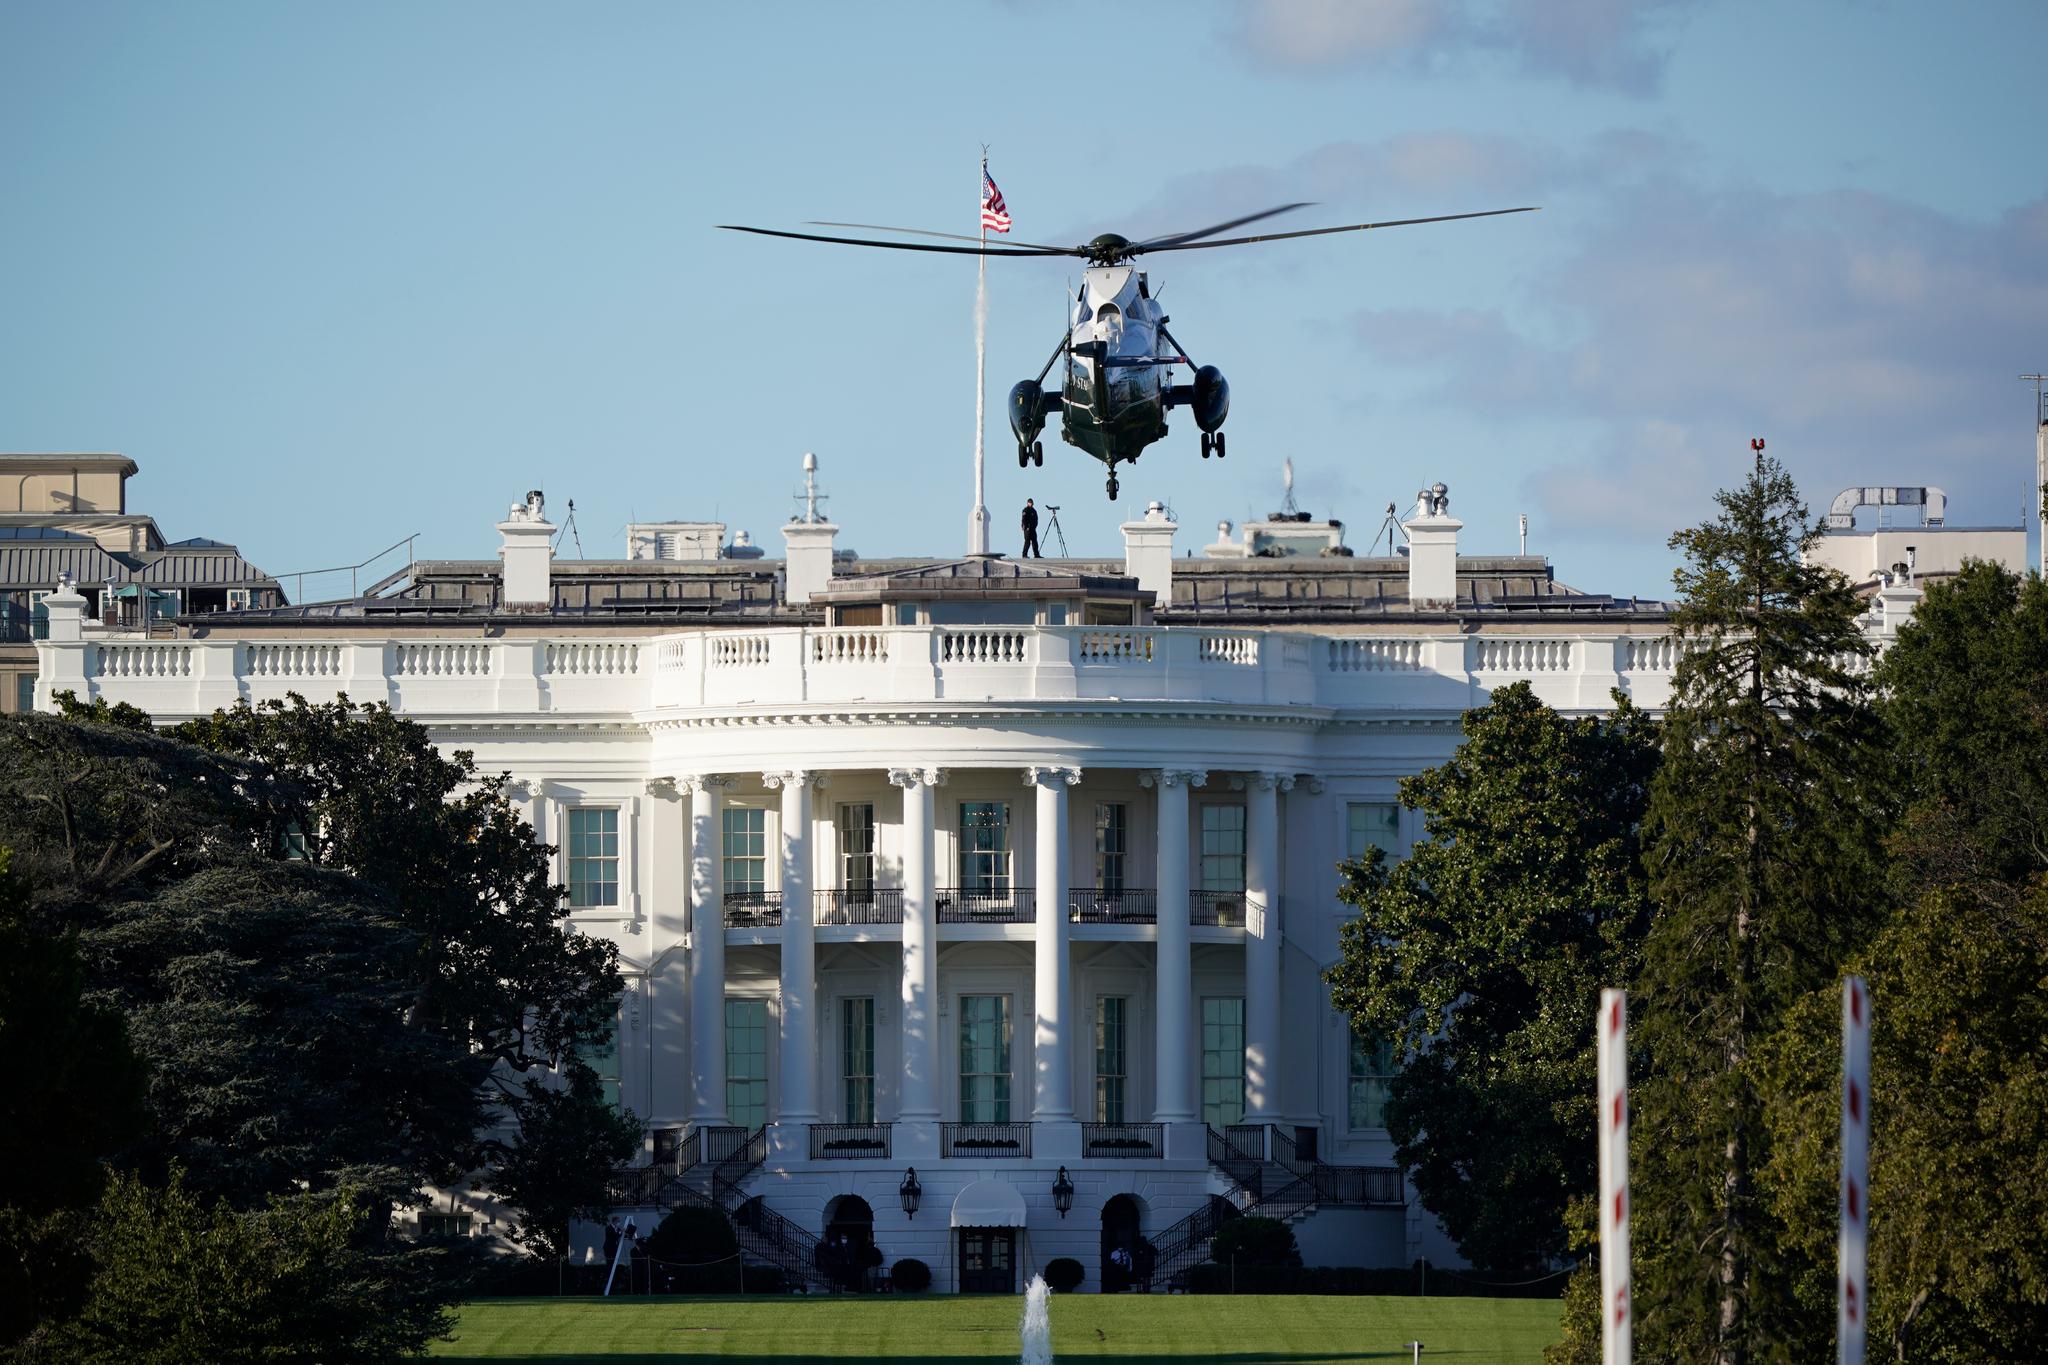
{"type": "Point", "coordinates": [988, 1204]}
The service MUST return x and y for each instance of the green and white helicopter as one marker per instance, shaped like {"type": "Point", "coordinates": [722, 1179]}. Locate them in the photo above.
{"type": "Point", "coordinates": [1117, 385]}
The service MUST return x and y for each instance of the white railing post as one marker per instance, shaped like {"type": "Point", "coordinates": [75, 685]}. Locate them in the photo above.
{"type": "Point", "coordinates": [1616, 1328]}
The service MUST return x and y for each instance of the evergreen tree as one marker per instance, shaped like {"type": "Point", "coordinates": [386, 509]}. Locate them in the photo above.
{"type": "Point", "coordinates": [1480, 959]}
{"type": "Point", "coordinates": [1763, 851]}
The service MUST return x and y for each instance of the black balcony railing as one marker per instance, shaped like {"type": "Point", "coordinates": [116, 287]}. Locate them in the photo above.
{"type": "Point", "coordinates": [849, 1141]}
{"type": "Point", "coordinates": [873, 905]}
{"type": "Point", "coordinates": [984, 907]}
{"type": "Point", "coordinates": [1140, 1140]}
{"type": "Point", "coordinates": [1093, 905]}
{"type": "Point", "coordinates": [753, 909]}
{"type": "Point", "coordinates": [1216, 909]}
{"type": "Point", "coordinates": [984, 1139]}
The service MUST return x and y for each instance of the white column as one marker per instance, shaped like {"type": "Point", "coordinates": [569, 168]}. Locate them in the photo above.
{"type": "Point", "coordinates": [799, 1081]}
{"type": "Point", "coordinates": [707, 951]}
{"type": "Point", "coordinates": [918, 1100]}
{"type": "Point", "coordinates": [1262, 946]}
{"type": "Point", "coordinates": [1174, 1042]}
{"type": "Point", "coordinates": [1052, 1069]}
{"type": "Point", "coordinates": [668, 962]}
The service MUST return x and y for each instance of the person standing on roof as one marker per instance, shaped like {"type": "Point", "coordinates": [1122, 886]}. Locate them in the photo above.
{"type": "Point", "coordinates": [1031, 550]}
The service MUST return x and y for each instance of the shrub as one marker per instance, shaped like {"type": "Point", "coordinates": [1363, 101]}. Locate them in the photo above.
{"type": "Point", "coordinates": [911, 1276]}
{"type": "Point", "coordinates": [694, 1252]}
{"type": "Point", "coordinates": [1064, 1275]}
{"type": "Point", "coordinates": [1254, 1241]}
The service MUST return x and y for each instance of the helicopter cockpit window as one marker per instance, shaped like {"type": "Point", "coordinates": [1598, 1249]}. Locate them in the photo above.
{"type": "Point", "coordinates": [1110, 321]}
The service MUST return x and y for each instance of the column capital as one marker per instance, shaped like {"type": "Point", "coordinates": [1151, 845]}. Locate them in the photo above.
{"type": "Point", "coordinates": [663, 788]}
{"type": "Point", "coordinates": [1052, 777]}
{"type": "Point", "coordinates": [702, 782]}
{"type": "Point", "coordinates": [1264, 782]}
{"type": "Point", "coordinates": [794, 777]}
{"type": "Point", "coordinates": [917, 777]}
{"type": "Point", "coordinates": [1173, 777]}
{"type": "Point", "coordinates": [1314, 784]}
{"type": "Point", "coordinates": [521, 789]}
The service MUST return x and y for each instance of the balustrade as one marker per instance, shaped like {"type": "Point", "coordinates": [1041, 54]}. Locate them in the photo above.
{"type": "Point", "coordinates": [984, 1139]}
{"type": "Point", "coordinates": [1216, 909]}
{"type": "Point", "coordinates": [753, 909]}
{"type": "Point", "coordinates": [873, 905]}
{"type": "Point", "coordinates": [850, 1141]}
{"type": "Point", "coordinates": [984, 907]}
{"type": "Point", "coordinates": [1093, 905]}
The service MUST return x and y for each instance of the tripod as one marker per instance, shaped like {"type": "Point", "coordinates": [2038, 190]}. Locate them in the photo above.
{"type": "Point", "coordinates": [1053, 525]}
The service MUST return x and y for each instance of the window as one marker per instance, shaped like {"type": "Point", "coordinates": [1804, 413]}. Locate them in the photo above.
{"type": "Point", "coordinates": [984, 1059]}
{"type": "Point", "coordinates": [294, 846]}
{"type": "Point", "coordinates": [1055, 613]}
{"type": "Point", "coordinates": [857, 1058]}
{"type": "Point", "coordinates": [1111, 841]}
{"type": "Point", "coordinates": [1223, 1061]}
{"type": "Point", "coordinates": [857, 847]}
{"type": "Point", "coordinates": [906, 613]}
{"type": "Point", "coordinates": [746, 1062]}
{"type": "Point", "coordinates": [436, 1227]}
{"type": "Point", "coordinates": [985, 848]}
{"type": "Point", "coordinates": [1223, 849]}
{"type": "Point", "coordinates": [1373, 824]}
{"type": "Point", "coordinates": [603, 1058]}
{"type": "Point", "coordinates": [1372, 1067]}
{"type": "Point", "coordinates": [746, 850]}
{"type": "Point", "coordinates": [240, 599]}
{"type": "Point", "coordinates": [24, 691]}
{"type": "Point", "coordinates": [1111, 1012]}
{"type": "Point", "coordinates": [593, 857]}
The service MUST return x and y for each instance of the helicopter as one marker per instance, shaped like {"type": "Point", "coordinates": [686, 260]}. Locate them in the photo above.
{"type": "Point", "coordinates": [1117, 384]}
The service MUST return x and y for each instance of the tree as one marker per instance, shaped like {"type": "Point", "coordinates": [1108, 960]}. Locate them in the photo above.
{"type": "Point", "coordinates": [1965, 689]}
{"type": "Point", "coordinates": [1959, 1131]}
{"type": "Point", "coordinates": [1480, 959]}
{"type": "Point", "coordinates": [1763, 839]}
{"type": "Point", "coordinates": [549, 1173]}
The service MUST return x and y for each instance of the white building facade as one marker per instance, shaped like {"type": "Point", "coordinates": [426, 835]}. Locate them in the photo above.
{"type": "Point", "coordinates": [1012, 883]}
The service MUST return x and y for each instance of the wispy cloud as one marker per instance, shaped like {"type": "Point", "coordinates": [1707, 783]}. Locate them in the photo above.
{"type": "Point", "coordinates": [1615, 44]}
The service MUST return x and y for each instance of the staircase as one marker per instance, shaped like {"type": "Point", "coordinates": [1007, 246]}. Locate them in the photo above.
{"type": "Point", "coordinates": [1269, 1179]}
{"type": "Point", "coordinates": [765, 1237]}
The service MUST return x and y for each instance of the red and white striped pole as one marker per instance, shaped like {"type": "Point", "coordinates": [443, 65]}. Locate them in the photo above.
{"type": "Point", "coordinates": [1617, 1331]}
{"type": "Point", "coordinates": [1852, 1253]}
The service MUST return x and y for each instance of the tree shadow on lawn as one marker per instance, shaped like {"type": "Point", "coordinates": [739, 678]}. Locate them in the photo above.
{"type": "Point", "coordinates": [1111, 1357]}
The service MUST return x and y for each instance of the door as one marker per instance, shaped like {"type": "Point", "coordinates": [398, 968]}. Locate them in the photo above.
{"type": "Point", "coordinates": [988, 1260]}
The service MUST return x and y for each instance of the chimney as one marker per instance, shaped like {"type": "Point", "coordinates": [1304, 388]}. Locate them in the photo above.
{"type": "Point", "coordinates": [66, 612]}
{"type": "Point", "coordinates": [527, 551]}
{"type": "Point", "coordinates": [808, 560]}
{"type": "Point", "coordinates": [1148, 553]}
{"type": "Point", "coordinates": [1433, 550]}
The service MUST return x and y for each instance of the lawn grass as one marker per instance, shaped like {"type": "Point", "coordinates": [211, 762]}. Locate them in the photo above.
{"type": "Point", "coordinates": [1136, 1329]}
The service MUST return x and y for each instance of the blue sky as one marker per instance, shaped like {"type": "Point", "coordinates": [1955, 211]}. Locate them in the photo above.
{"type": "Point", "coordinates": [333, 274]}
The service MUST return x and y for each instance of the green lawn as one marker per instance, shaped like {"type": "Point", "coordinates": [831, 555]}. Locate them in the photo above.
{"type": "Point", "coordinates": [1297, 1330]}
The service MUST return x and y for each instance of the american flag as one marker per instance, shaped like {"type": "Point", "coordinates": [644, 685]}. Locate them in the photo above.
{"type": "Point", "coordinates": [994, 212]}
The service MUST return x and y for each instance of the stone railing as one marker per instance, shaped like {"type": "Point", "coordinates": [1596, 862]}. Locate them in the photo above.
{"type": "Point", "coordinates": [762, 670]}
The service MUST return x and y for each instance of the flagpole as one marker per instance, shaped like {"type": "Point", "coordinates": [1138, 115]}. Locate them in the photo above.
{"type": "Point", "coordinates": [977, 520]}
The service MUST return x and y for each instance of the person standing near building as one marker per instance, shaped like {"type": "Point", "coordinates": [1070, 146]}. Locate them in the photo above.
{"type": "Point", "coordinates": [1031, 550]}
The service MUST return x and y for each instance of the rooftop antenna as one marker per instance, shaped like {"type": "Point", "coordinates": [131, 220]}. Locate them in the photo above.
{"type": "Point", "coordinates": [1287, 507]}
{"type": "Point", "coordinates": [811, 497]}
{"type": "Point", "coordinates": [2039, 501]}
{"type": "Point", "coordinates": [569, 530]}
{"type": "Point", "coordinates": [1388, 525]}
{"type": "Point", "coordinates": [1525, 533]}
{"type": "Point", "coordinates": [977, 517]}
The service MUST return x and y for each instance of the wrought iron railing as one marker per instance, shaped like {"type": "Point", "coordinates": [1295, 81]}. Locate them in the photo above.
{"type": "Point", "coordinates": [1139, 1140]}
{"type": "Point", "coordinates": [716, 1145]}
{"type": "Point", "coordinates": [871, 905]}
{"type": "Point", "coordinates": [984, 1139]}
{"type": "Point", "coordinates": [765, 1236]}
{"type": "Point", "coordinates": [984, 907]}
{"type": "Point", "coordinates": [1352, 1185]}
{"type": "Point", "coordinates": [849, 1141]}
{"type": "Point", "coordinates": [1093, 905]}
{"type": "Point", "coordinates": [1216, 909]}
{"type": "Point", "coordinates": [753, 909]}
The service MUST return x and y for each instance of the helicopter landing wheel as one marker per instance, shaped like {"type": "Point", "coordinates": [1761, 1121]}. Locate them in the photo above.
{"type": "Point", "coordinates": [1038, 453]}
{"type": "Point", "coordinates": [1112, 488]}
{"type": "Point", "coordinates": [1219, 445]}
{"type": "Point", "coordinates": [1023, 457]}
{"type": "Point", "coordinates": [1206, 447]}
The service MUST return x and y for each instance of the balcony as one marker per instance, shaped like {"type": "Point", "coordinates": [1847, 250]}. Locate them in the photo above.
{"type": "Point", "coordinates": [984, 907]}
{"type": "Point", "coordinates": [984, 1139]}
{"type": "Point", "coordinates": [1216, 909]}
{"type": "Point", "coordinates": [753, 909]}
{"type": "Point", "coordinates": [849, 1141]}
{"type": "Point", "coordinates": [869, 905]}
{"type": "Point", "coordinates": [1093, 905]}
{"type": "Point", "coordinates": [1143, 1141]}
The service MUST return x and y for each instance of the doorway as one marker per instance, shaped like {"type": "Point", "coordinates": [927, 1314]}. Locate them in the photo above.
{"type": "Point", "coordinates": [988, 1260]}
{"type": "Point", "coordinates": [1121, 1244]}
{"type": "Point", "coordinates": [848, 1255]}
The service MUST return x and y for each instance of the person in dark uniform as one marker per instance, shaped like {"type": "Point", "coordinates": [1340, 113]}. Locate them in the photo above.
{"type": "Point", "coordinates": [1031, 549]}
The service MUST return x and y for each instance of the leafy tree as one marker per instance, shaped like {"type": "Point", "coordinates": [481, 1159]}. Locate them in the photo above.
{"type": "Point", "coordinates": [1965, 688]}
{"type": "Point", "coordinates": [1254, 1240]}
{"type": "Point", "coordinates": [183, 1280]}
{"type": "Point", "coordinates": [1959, 1131]}
{"type": "Point", "coordinates": [550, 1173]}
{"type": "Point", "coordinates": [1763, 831]}
{"type": "Point", "coordinates": [1480, 958]}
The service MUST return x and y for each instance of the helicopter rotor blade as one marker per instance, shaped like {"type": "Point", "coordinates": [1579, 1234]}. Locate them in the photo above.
{"type": "Point", "coordinates": [925, 232]}
{"type": "Point", "coordinates": [1176, 238]}
{"type": "Point", "coordinates": [1323, 232]}
{"type": "Point", "coordinates": [905, 246]}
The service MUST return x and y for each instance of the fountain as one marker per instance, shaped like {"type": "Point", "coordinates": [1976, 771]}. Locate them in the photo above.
{"type": "Point", "coordinates": [1037, 1323]}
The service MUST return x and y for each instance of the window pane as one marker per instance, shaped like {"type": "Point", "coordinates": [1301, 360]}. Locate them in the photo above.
{"type": "Point", "coordinates": [857, 1058]}
{"type": "Point", "coordinates": [745, 843]}
{"type": "Point", "coordinates": [1111, 1012]}
{"type": "Point", "coordinates": [24, 691]}
{"type": "Point", "coordinates": [1111, 835]}
{"type": "Point", "coordinates": [1373, 824]}
{"type": "Point", "coordinates": [1223, 849]}
{"type": "Point", "coordinates": [1372, 1068]}
{"type": "Point", "coordinates": [857, 847]}
{"type": "Point", "coordinates": [593, 857]}
{"type": "Point", "coordinates": [603, 1058]}
{"type": "Point", "coordinates": [984, 1059]}
{"type": "Point", "coordinates": [985, 847]}
{"type": "Point", "coordinates": [746, 1062]}
{"type": "Point", "coordinates": [1223, 1060]}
